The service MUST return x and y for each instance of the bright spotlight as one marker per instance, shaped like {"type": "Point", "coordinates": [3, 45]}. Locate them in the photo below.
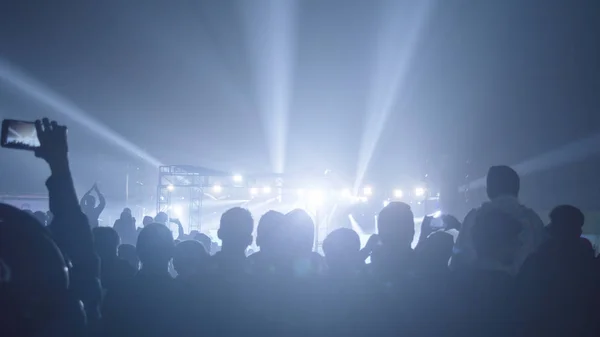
{"type": "Point", "coordinates": [398, 193]}
{"type": "Point", "coordinates": [300, 192]}
{"type": "Point", "coordinates": [238, 178]}
{"type": "Point", "coordinates": [419, 191]}
{"type": "Point", "coordinates": [385, 203]}
{"type": "Point", "coordinates": [177, 210]}
{"type": "Point", "coordinates": [266, 190]}
{"type": "Point", "coordinates": [253, 191]}
{"type": "Point", "coordinates": [171, 188]}
{"type": "Point", "coordinates": [368, 191]}
{"type": "Point", "coordinates": [346, 193]}
{"type": "Point", "coordinates": [437, 214]}
{"type": "Point", "coordinates": [317, 197]}
{"type": "Point", "coordinates": [217, 189]}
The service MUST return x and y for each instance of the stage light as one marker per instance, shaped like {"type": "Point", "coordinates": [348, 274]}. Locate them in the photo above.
{"type": "Point", "coordinates": [253, 191]}
{"type": "Point", "coordinates": [316, 197]}
{"type": "Point", "coordinates": [419, 191]}
{"type": "Point", "coordinates": [385, 203]}
{"type": "Point", "coordinates": [266, 190]}
{"type": "Point", "coordinates": [368, 191]}
{"type": "Point", "coordinates": [171, 188]}
{"type": "Point", "coordinates": [398, 193]}
{"type": "Point", "coordinates": [217, 189]}
{"type": "Point", "coordinates": [238, 178]}
{"type": "Point", "coordinates": [177, 210]}
{"type": "Point", "coordinates": [346, 193]}
{"type": "Point", "coordinates": [437, 214]}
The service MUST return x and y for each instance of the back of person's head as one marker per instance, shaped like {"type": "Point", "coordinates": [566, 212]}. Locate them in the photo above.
{"type": "Point", "coordinates": [126, 214]}
{"type": "Point", "coordinates": [300, 230]}
{"type": "Point", "coordinates": [235, 229]}
{"type": "Point", "coordinates": [41, 217]}
{"type": "Point", "coordinates": [190, 258]}
{"type": "Point", "coordinates": [396, 224]}
{"type": "Point", "coordinates": [502, 181]}
{"type": "Point", "coordinates": [205, 241]}
{"type": "Point", "coordinates": [147, 220]}
{"type": "Point", "coordinates": [269, 231]}
{"type": "Point", "coordinates": [106, 241]}
{"type": "Point", "coordinates": [128, 253]}
{"type": "Point", "coordinates": [155, 246]}
{"type": "Point", "coordinates": [566, 223]}
{"type": "Point", "coordinates": [342, 247]}
{"type": "Point", "coordinates": [89, 201]}
{"type": "Point", "coordinates": [33, 277]}
{"type": "Point", "coordinates": [436, 250]}
{"type": "Point", "coordinates": [496, 236]}
{"type": "Point", "coordinates": [161, 218]}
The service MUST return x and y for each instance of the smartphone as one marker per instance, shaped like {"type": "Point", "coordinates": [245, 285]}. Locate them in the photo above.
{"type": "Point", "coordinates": [20, 135]}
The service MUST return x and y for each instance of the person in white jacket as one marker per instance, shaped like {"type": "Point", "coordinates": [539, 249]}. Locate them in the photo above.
{"type": "Point", "coordinates": [503, 185]}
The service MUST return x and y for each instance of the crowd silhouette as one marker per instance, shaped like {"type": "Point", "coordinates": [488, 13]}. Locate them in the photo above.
{"type": "Point", "coordinates": [508, 274]}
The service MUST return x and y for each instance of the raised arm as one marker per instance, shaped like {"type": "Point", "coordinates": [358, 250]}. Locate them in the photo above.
{"type": "Point", "coordinates": [69, 226]}
{"type": "Point", "coordinates": [101, 199]}
{"type": "Point", "coordinates": [85, 196]}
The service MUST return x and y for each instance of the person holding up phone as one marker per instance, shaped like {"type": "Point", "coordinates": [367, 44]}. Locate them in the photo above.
{"type": "Point", "coordinates": [88, 205]}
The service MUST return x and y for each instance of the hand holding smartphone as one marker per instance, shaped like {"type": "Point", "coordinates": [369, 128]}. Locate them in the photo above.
{"type": "Point", "coordinates": [20, 135]}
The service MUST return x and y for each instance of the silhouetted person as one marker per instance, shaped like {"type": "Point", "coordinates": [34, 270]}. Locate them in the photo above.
{"type": "Point", "coordinates": [396, 229]}
{"type": "Point", "coordinates": [205, 241]}
{"type": "Point", "coordinates": [113, 270]}
{"type": "Point", "coordinates": [342, 252]}
{"type": "Point", "coordinates": [148, 305]}
{"type": "Point", "coordinates": [235, 232]}
{"type": "Point", "coordinates": [503, 185]}
{"type": "Point", "coordinates": [147, 220]}
{"type": "Point", "coordinates": [299, 241]}
{"type": "Point", "coordinates": [89, 208]}
{"type": "Point", "coordinates": [269, 240]}
{"type": "Point", "coordinates": [41, 217]}
{"type": "Point", "coordinates": [125, 227]}
{"type": "Point", "coordinates": [128, 253]}
{"type": "Point", "coordinates": [558, 285]}
{"type": "Point", "coordinates": [434, 254]}
{"type": "Point", "coordinates": [191, 261]}
{"type": "Point", "coordinates": [162, 218]}
{"type": "Point", "coordinates": [480, 298]}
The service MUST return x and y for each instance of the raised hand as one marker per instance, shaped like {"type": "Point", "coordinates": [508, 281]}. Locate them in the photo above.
{"type": "Point", "coordinates": [53, 142]}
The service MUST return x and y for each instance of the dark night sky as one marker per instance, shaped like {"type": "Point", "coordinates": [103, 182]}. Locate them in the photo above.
{"type": "Point", "coordinates": [492, 81]}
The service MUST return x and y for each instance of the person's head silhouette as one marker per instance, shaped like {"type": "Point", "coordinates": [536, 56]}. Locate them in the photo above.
{"type": "Point", "coordinates": [496, 236]}
{"type": "Point", "coordinates": [300, 231]}
{"type": "Point", "coordinates": [436, 250]}
{"type": "Point", "coordinates": [396, 225]}
{"type": "Point", "coordinates": [106, 242]}
{"type": "Point", "coordinates": [190, 259]}
{"type": "Point", "coordinates": [502, 181]}
{"type": "Point", "coordinates": [566, 223]}
{"type": "Point", "coordinates": [88, 202]}
{"type": "Point", "coordinates": [41, 217]}
{"type": "Point", "coordinates": [161, 218]}
{"type": "Point", "coordinates": [341, 248]}
{"type": "Point", "coordinates": [127, 252]}
{"type": "Point", "coordinates": [147, 220]}
{"type": "Point", "coordinates": [235, 230]}
{"type": "Point", "coordinates": [155, 248]}
{"type": "Point", "coordinates": [268, 232]}
{"type": "Point", "coordinates": [204, 240]}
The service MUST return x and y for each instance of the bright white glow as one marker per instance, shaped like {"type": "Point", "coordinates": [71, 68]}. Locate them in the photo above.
{"type": "Point", "coordinates": [316, 197]}
{"type": "Point", "coordinates": [368, 191]}
{"type": "Point", "coordinates": [171, 188]}
{"type": "Point", "coordinates": [437, 214]}
{"type": "Point", "coordinates": [300, 192]}
{"type": "Point", "coordinates": [398, 194]}
{"type": "Point", "coordinates": [253, 191]}
{"type": "Point", "coordinates": [346, 193]}
{"type": "Point", "coordinates": [385, 203]}
{"type": "Point", "coordinates": [419, 191]}
{"type": "Point", "coordinates": [238, 178]}
{"type": "Point", "coordinates": [363, 199]}
{"type": "Point", "coordinates": [217, 189]}
{"type": "Point", "coordinates": [267, 190]}
{"type": "Point", "coordinates": [177, 210]}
